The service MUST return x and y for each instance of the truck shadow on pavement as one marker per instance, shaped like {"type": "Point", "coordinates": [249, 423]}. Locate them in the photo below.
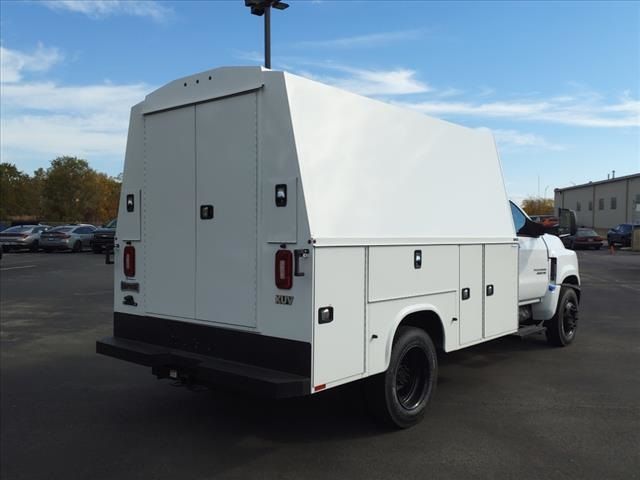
{"type": "Point", "coordinates": [338, 413]}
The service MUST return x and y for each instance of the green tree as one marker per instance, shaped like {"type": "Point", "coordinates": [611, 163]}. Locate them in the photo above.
{"type": "Point", "coordinates": [538, 206]}
{"type": "Point", "coordinates": [67, 189]}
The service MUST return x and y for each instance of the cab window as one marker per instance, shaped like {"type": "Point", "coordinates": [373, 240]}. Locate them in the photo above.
{"type": "Point", "coordinates": [518, 217]}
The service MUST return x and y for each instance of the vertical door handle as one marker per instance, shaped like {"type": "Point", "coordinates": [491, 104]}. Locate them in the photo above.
{"type": "Point", "coordinates": [466, 293]}
{"type": "Point", "coordinates": [298, 254]}
{"type": "Point", "coordinates": [489, 290]}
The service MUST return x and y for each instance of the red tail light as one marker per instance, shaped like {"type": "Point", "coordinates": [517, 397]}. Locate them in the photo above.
{"type": "Point", "coordinates": [129, 261]}
{"type": "Point", "coordinates": [284, 269]}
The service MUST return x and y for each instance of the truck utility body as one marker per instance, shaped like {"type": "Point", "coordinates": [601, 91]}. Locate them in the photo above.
{"type": "Point", "coordinates": [323, 237]}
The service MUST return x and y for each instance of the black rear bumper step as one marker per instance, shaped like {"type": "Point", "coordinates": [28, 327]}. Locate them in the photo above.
{"type": "Point", "coordinates": [198, 369]}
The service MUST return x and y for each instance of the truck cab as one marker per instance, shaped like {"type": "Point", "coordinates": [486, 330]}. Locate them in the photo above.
{"type": "Point", "coordinates": [545, 268]}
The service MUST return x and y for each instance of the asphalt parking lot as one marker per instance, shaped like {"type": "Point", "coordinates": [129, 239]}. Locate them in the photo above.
{"type": "Point", "coordinates": [510, 408]}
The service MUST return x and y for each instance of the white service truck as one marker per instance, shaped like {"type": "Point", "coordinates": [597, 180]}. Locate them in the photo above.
{"type": "Point", "coordinates": [283, 237]}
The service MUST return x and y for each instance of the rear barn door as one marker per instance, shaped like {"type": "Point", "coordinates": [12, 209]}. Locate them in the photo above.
{"type": "Point", "coordinates": [169, 212]}
{"type": "Point", "coordinates": [226, 191]}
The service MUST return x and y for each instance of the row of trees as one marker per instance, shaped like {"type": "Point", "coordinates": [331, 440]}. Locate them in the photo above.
{"type": "Point", "coordinates": [71, 191]}
{"type": "Point", "coordinates": [68, 191]}
{"type": "Point", "coordinates": [538, 206]}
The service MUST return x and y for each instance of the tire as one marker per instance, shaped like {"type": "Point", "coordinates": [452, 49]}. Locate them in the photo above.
{"type": "Point", "coordinates": [572, 246]}
{"type": "Point", "coordinates": [95, 249]}
{"type": "Point", "coordinates": [34, 246]}
{"type": "Point", "coordinates": [561, 329]}
{"type": "Point", "coordinates": [5, 249]}
{"type": "Point", "coordinates": [398, 398]}
{"type": "Point", "coordinates": [47, 250]}
{"type": "Point", "coordinates": [77, 246]}
{"type": "Point", "coordinates": [598, 247]}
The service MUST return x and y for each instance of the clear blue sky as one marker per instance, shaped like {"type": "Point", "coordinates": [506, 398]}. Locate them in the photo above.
{"type": "Point", "coordinates": [558, 83]}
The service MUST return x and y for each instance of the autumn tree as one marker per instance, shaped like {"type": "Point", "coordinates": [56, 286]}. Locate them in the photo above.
{"type": "Point", "coordinates": [15, 195]}
{"type": "Point", "coordinates": [538, 206]}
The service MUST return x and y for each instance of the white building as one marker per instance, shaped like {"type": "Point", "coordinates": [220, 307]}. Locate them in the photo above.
{"type": "Point", "coordinates": [605, 203]}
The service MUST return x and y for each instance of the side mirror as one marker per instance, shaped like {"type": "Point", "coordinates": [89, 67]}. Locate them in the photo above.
{"type": "Point", "coordinates": [567, 224]}
{"type": "Point", "coordinates": [532, 229]}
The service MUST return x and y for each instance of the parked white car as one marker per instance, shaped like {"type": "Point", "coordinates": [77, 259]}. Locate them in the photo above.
{"type": "Point", "coordinates": [68, 237]}
{"type": "Point", "coordinates": [21, 237]}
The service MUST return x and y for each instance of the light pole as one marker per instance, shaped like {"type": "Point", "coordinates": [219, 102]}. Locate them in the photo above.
{"type": "Point", "coordinates": [260, 8]}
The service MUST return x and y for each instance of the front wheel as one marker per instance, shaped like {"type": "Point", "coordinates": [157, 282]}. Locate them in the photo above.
{"type": "Point", "coordinates": [399, 397]}
{"type": "Point", "coordinates": [561, 329]}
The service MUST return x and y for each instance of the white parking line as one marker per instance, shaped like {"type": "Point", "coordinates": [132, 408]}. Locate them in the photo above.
{"type": "Point", "coordinates": [15, 268]}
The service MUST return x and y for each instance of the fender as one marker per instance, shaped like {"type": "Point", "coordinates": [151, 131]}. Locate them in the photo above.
{"type": "Point", "coordinates": [404, 313]}
{"type": "Point", "coordinates": [574, 286]}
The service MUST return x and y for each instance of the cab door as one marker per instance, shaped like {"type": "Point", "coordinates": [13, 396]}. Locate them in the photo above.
{"type": "Point", "coordinates": [533, 264]}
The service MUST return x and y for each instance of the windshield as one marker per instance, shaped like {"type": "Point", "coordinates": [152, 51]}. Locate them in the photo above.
{"type": "Point", "coordinates": [112, 223]}
{"type": "Point", "coordinates": [586, 232]}
{"type": "Point", "coordinates": [18, 229]}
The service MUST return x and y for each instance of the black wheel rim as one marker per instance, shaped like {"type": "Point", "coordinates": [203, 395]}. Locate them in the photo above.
{"type": "Point", "coordinates": [570, 319]}
{"type": "Point", "coordinates": [412, 378]}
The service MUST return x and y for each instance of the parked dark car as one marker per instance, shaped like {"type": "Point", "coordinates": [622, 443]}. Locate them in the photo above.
{"type": "Point", "coordinates": [620, 235]}
{"type": "Point", "coordinates": [584, 238]}
{"type": "Point", "coordinates": [103, 237]}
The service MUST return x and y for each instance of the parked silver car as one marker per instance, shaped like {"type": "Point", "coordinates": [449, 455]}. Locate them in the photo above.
{"type": "Point", "coordinates": [67, 237]}
{"type": "Point", "coordinates": [22, 236]}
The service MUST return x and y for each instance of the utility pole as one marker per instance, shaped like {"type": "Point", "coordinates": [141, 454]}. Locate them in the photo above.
{"type": "Point", "coordinates": [263, 8]}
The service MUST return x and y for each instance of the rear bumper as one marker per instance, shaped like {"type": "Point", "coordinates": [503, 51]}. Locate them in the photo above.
{"type": "Point", "coordinates": [102, 242]}
{"type": "Point", "coordinates": [207, 355]}
{"type": "Point", "coordinates": [201, 370]}
{"type": "Point", "coordinates": [53, 245]}
{"type": "Point", "coordinates": [16, 243]}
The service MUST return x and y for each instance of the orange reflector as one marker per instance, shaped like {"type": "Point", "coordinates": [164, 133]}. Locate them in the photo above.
{"type": "Point", "coordinates": [317, 388]}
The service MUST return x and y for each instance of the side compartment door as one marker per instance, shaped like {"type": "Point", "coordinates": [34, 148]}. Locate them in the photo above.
{"type": "Point", "coordinates": [470, 292]}
{"type": "Point", "coordinates": [338, 344]}
{"type": "Point", "coordinates": [500, 289]}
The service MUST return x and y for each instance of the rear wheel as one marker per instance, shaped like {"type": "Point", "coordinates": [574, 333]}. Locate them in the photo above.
{"type": "Point", "coordinates": [96, 249]}
{"type": "Point", "coordinates": [77, 246]}
{"type": "Point", "coordinates": [34, 246]}
{"type": "Point", "coordinates": [561, 329]}
{"type": "Point", "coordinates": [399, 397]}
{"type": "Point", "coordinates": [47, 250]}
